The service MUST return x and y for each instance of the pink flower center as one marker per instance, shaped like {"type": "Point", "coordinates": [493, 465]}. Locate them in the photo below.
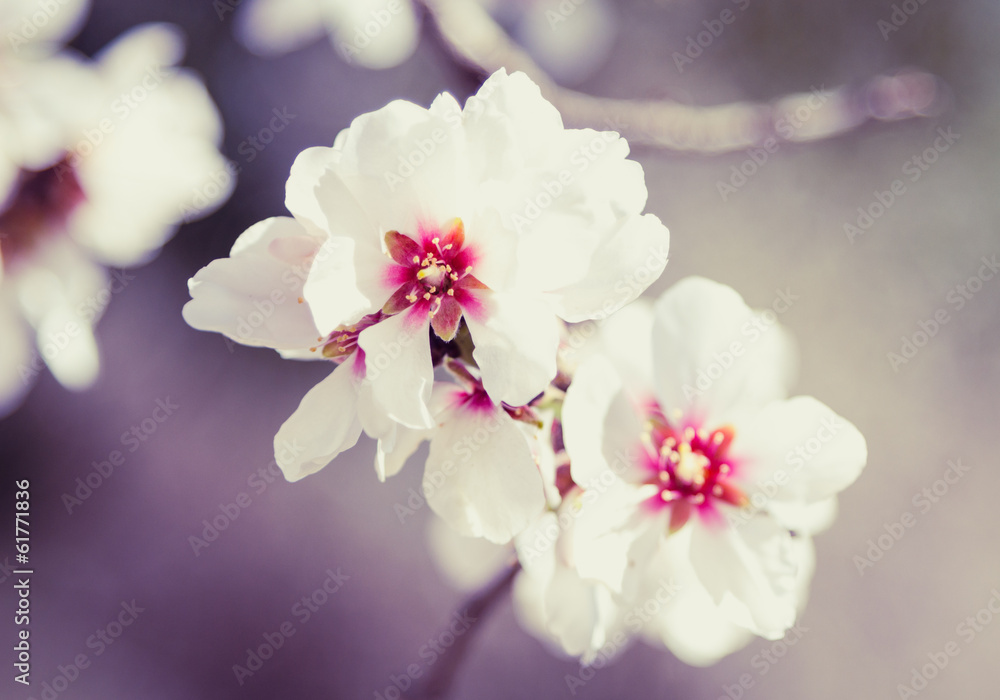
{"type": "Point", "coordinates": [433, 278]}
{"type": "Point", "coordinates": [41, 204]}
{"type": "Point", "coordinates": [473, 397]}
{"type": "Point", "coordinates": [690, 467]}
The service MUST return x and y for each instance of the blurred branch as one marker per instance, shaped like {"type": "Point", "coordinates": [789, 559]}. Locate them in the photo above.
{"type": "Point", "coordinates": [442, 676]}
{"type": "Point", "coordinates": [478, 41]}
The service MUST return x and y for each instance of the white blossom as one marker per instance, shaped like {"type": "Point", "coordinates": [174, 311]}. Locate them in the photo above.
{"type": "Point", "coordinates": [100, 161]}
{"type": "Point", "coordinates": [372, 33]}
{"type": "Point", "coordinates": [708, 461]}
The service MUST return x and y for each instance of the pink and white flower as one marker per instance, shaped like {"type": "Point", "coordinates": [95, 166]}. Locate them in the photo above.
{"type": "Point", "coordinates": [707, 458]}
{"type": "Point", "coordinates": [423, 233]}
{"type": "Point", "coordinates": [495, 215]}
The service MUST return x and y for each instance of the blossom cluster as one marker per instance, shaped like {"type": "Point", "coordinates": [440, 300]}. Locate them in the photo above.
{"type": "Point", "coordinates": [472, 274]}
{"type": "Point", "coordinates": [100, 160]}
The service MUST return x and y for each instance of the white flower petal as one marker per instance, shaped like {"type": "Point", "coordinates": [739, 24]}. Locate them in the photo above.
{"type": "Point", "coordinates": [398, 446]}
{"type": "Point", "coordinates": [375, 33]}
{"type": "Point", "coordinates": [68, 346]}
{"type": "Point", "coordinates": [750, 573]}
{"type": "Point", "coordinates": [713, 363]}
{"type": "Point", "coordinates": [302, 191]}
{"type": "Point", "coordinates": [600, 427]}
{"type": "Point", "coordinates": [516, 347]}
{"type": "Point", "coordinates": [800, 450]}
{"type": "Point", "coordinates": [156, 161]}
{"type": "Point", "coordinates": [480, 476]}
{"type": "Point", "coordinates": [270, 27]}
{"type": "Point", "coordinates": [39, 21]}
{"type": "Point", "coordinates": [678, 612]}
{"type": "Point", "coordinates": [252, 296]}
{"type": "Point", "coordinates": [324, 425]}
{"type": "Point", "coordinates": [16, 373]}
{"type": "Point", "coordinates": [398, 366]}
{"type": "Point", "coordinates": [621, 269]}
{"type": "Point", "coordinates": [805, 518]}
{"type": "Point", "coordinates": [611, 540]}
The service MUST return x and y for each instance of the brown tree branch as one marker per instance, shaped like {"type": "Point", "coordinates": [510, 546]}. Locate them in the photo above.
{"type": "Point", "coordinates": [478, 41]}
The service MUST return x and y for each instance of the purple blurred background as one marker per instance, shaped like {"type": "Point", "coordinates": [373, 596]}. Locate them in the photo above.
{"type": "Point", "coordinates": [863, 631]}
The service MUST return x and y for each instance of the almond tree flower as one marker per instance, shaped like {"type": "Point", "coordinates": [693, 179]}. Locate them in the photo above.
{"type": "Point", "coordinates": [373, 33]}
{"type": "Point", "coordinates": [712, 454]}
{"type": "Point", "coordinates": [493, 218]}
{"type": "Point", "coordinates": [569, 40]}
{"type": "Point", "coordinates": [122, 148]}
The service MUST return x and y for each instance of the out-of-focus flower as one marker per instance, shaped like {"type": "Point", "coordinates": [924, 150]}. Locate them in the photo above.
{"type": "Point", "coordinates": [425, 233]}
{"type": "Point", "coordinates": [705, 458]}
{"type": "Point", "coordinates": [569, 39]}
{"type": "Point", "coordinates": [100, 161]}
{"type": "Point", "coordinates": [373, 33]}
{"type": "Point", "coordinates": [39, 25]}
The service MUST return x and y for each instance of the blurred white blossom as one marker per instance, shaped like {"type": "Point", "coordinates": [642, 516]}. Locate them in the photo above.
{"type": "Point", "coordinates": [372, 33]}
{"type": "Point", "coordinates": [569, 39]}
{"type": "Point", "coordinates": [99, 161]}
